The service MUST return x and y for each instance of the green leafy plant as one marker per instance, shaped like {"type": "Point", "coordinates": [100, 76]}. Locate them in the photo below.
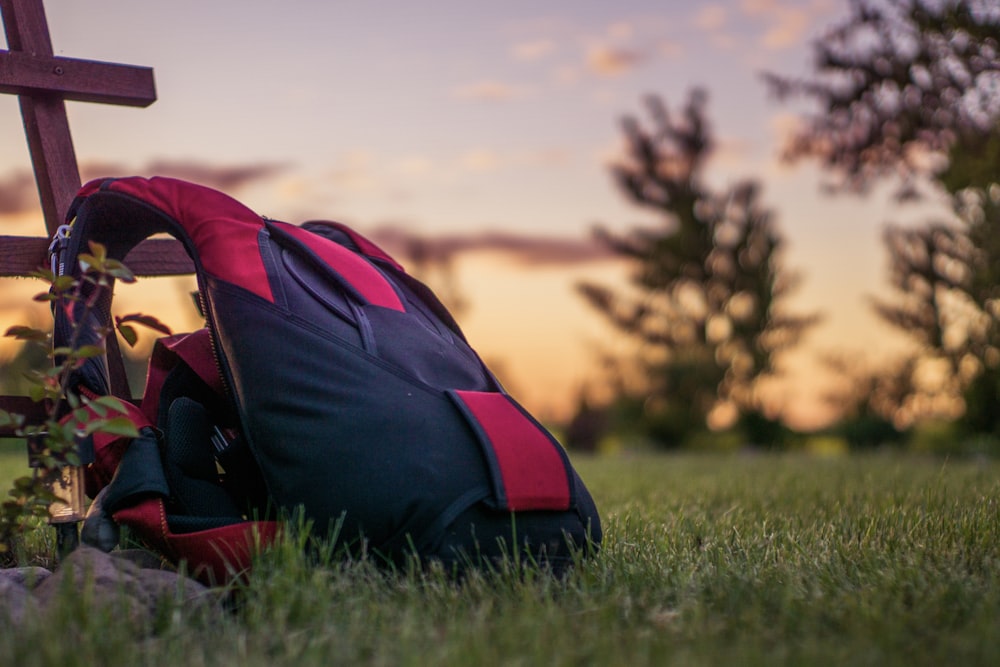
{"type": "Point", "coordinates": [68, 417]}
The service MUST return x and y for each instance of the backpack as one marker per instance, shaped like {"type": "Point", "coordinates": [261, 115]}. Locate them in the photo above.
{"type": "Point", "coordinates": [326, 383]}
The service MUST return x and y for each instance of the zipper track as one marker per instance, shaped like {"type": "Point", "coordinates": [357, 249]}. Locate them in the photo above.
{"type": "Point", "coordinates": [216, 358]}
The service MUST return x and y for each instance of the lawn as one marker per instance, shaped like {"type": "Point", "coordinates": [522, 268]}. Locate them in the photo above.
{"type": "Point", "coordinates": [745, 559]}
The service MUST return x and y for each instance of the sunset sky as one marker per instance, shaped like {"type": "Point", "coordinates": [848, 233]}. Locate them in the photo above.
{"type": "Point", "coordinates": [466, 120]}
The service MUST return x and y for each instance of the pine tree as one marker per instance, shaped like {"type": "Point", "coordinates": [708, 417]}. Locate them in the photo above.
{"type": "Point", "coordinates": [909, 90]}
{"type": "Point", "coordinates": [707, 288]}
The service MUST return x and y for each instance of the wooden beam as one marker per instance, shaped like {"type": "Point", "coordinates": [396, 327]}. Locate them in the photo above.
{"type": "Point", "coordinates": [20, 255]}
{"type": "Point", "coordinates": [42, 83]}
{"type": "Point", "coordinates": [34, 413]}
{"type": "Point", "coordinates": [76, 80]}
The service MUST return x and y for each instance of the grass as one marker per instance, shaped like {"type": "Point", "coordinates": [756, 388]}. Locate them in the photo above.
{"type": "Point", "coordinates": [707, 560]}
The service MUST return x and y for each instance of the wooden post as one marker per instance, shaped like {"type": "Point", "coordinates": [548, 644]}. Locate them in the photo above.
{"type": "Point", "coordinates": [43, 83]}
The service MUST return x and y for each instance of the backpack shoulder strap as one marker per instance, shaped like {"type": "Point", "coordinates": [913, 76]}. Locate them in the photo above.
{"type": "Point", "coordinates": [120, 213]}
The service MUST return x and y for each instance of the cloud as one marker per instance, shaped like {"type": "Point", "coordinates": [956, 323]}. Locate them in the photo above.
{"type": "Point", "coordinates": [480, 160]}
{"type": "Point", "coordinates": [621, 30]}
{"type": "Point", "coordinates": [784, 126]}
{"type": "Point", "coordinates": [489, 90]}
{"type": "Point", "coordinates": [789, 30]}
{"type": "Point", "coordinates": [607, 60]}
{"type": "Point", "coordinates": [533, 50]}
{"type": "Point", "coordinates": [787, 24]}
{"type": "Point", "coordinates": [566, 75]}
{"type": "Point", "coordinates": [220, 177]}
{"type": "Point", "coordinates": [527, 249]}
{"type": "Point", "coordinates": [488, 159]}
{"type": "Point", "coordinates": [670, 49]}
{"type": "Point", "coordinates": [355, 172]}
{"type": "Point", "coordinates": [711, 18]}
{"type": "Point", "coordinates": [714, 21]}
{"type": "Point", "coordinates": [413, 165]}
{"type": "Point", "coordinates": [18, 193]}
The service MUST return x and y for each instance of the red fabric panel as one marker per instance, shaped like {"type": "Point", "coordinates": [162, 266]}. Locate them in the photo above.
{"type": "Point", "coordinates": [366, 246]}
{"type": "Point", "coordinates": [108, 449]}
{"type": "Point", "coordinates": [90, 188]}
{"type": "Point", "coordinates": [220, 555]}
{"type": "Point", "coordinates": [149, 519]}
{"type": "Point", "coordinates": [195, 349]}
{"type": "Point", "coordinates": [533, 471]}
{"type": "Point", "coordinates": [224, 230]}
{"type": "Point", "coordinates": [364, 277]}
{"type": "Point", "coordinates": [215, 556]}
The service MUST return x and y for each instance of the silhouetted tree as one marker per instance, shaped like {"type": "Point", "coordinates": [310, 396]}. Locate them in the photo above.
{"type": "Point", "coordinates": [870, 400]}
{"type": "Point", "coordinates": [911, 89]}
{"type": "Point", "coordinates": [898, 81]}
{"type": "Point", "coordinates": [708, 289]}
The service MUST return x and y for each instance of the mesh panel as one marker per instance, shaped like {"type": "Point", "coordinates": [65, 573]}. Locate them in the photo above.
{"type": "Point", "coordinates": [190, 465]}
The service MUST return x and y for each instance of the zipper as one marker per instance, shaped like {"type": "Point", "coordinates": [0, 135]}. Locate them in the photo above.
{"type": "Point", "coordinates": [210, 326]}
{"type": "Point", "coordinates": [57, 249]}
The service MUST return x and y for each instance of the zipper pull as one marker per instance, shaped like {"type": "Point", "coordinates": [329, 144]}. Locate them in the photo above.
{"type": "Point", "coordinates": [57, 249]}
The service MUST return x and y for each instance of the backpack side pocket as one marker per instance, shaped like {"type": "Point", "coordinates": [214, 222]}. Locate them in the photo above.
{"type": "Point", "coordinates": [528, 468]}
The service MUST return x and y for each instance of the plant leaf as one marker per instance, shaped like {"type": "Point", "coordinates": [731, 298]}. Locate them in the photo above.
{"type": "Point", "coordinates": [129, 334]}
{"type": "Point", "coordinates": [87, 351]}
{"type": "Point", "coordinates": [145, 320]}
{"type": "Point", "coordinates": [21, 332]}
{"type": "Point", "coordinates": [99, 251]}
{"type": "Point", "coordinates": [117, 426]}
{"type": "Point", "coordinates": [63, 283]}
{"type": "Point", "coordinates": [116, 269]}
{"type": "Point", "coordinates": [87, 262]}
{"type": "Point", "coordinates": [10, 418]}
{"type": "Point", "coordinates": [111, 403]}
{"type": "Point", "coordinates": [43, 273]}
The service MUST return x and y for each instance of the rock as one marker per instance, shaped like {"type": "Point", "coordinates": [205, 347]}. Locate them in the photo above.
{"type": "Point", "coordinates": [15, 599]}
{"type": "Point", "coordinates": [146, 560]}
{"type": "Point", "coordinates": [132, 592]}
{"type": "Point", "coordinates": [134, 584]}
{"type": "Point", "coordinates": [29, 577]}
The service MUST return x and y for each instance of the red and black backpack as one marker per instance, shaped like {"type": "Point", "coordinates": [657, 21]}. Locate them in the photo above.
{"type": "Point", "coordinates": [327, 381]}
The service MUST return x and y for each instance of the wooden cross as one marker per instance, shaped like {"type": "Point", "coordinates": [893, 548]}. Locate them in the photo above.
{"type": "Point", "coordinates": [43, 82]}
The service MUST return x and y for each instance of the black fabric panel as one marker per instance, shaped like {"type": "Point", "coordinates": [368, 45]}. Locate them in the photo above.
{"type": "Point", "coordinates": [189, 463]}
{"type": "Point", "coordinates": [242, 480]}
{"type": "Point", "coordinates": [340, 432]}
{"type": "Point", "coordinates": [406, 342]}
{"type": "Point", "coordinates": [313, 297]}
{"type": "Point", "coordinates": [483, 536]}
{"type": "Point", "coordinates": [139, 474]}
{"type": "Point", "coordinates": [180, 524]}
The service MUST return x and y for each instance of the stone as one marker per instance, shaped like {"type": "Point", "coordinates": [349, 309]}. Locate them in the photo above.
{"type": "Point", "coordinates": [29, 577]}
{"type": "Point", "coordinates": [133, 583]}
{"type": "Point", "coordinates": [130, 591]}
{"type": "Point", "coordinates": [16, 600]}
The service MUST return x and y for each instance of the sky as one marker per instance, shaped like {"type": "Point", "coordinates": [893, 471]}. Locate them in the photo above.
{"type": "Point", "coordinates": [486, 126]}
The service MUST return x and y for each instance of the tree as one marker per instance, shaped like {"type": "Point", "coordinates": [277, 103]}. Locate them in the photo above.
{"type": "Point", "coordinates": [870, 400]}
{"type": "Point", "coordinates": [910, 89]}
{"type": "Point", "coordinates": [896, 83]}
{"type": "Point", "coordinates": [706, 303]}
